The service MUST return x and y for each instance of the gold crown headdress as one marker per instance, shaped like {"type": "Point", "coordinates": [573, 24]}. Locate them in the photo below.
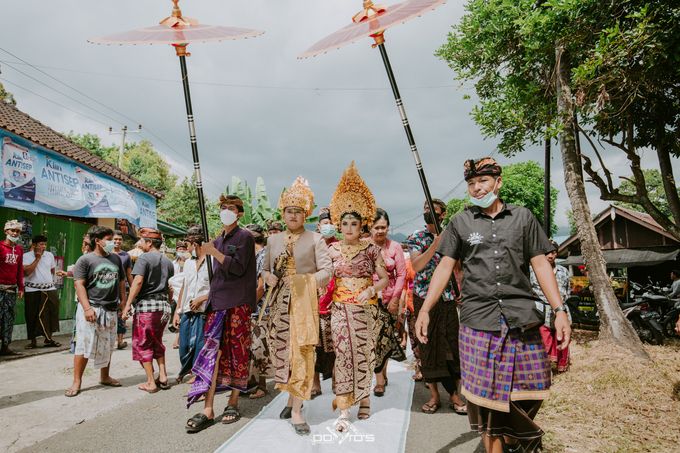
{"type": "Point", "coordinates": [352, 195]}
{"type": "Point", "coordinates": [298, 196]}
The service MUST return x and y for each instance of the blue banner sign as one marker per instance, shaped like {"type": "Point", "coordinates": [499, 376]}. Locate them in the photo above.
{"type": "Point", "coordinates": [39, 180]}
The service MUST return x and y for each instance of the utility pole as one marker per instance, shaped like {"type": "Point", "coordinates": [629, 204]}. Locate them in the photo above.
{"type": "Point", "coordinates": [123, 132]}
{"type": "Point", "coordinates": [546, 189]}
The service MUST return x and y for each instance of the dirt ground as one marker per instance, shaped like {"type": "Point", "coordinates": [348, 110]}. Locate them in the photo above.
{"type": "Point", "coordinates": [611, 402]}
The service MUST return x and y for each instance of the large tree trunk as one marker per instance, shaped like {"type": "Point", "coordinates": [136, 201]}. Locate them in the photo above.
{"type": "Point", "coordinates": [614, 326]}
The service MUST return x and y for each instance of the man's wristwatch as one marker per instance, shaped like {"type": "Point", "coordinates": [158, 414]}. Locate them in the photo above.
{"type": "Point", "coordinates": [559, 309]}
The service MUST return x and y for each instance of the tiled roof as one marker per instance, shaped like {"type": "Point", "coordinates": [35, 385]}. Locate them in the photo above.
{"type": "Point", "coordinates": [23, 125]}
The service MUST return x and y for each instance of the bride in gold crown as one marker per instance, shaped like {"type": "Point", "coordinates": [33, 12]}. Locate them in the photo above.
{"type": "Point", "coordinates": [355, 296]}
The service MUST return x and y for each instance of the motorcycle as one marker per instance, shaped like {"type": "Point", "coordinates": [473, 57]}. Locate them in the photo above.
{"type": "Point", "coordinates": [646, 320]}
{"type": "Point", "coordinates": [667, 309]}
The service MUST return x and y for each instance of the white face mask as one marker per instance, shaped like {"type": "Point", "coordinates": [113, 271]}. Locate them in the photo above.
{"type": "Point", "coordinates": [13, 238]}
{"type": "Point", "coordinates": [487, 200]}
{"type": "Point", "coordinates": [227, 217]}
{"type": "Point", "coordinates": [327, 230]}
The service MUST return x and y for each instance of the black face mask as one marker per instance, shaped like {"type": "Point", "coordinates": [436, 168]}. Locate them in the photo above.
{"type": "Point", "coordinates": [431, 219]}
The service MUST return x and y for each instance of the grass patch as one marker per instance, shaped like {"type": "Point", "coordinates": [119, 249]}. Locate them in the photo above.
{"type": "Point", "coordinates": [611, 402]}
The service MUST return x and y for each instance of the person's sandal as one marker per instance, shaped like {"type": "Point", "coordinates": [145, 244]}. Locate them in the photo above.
{"type": "Point", "coordinates": [51, 344]}
{"type": "Point", "coordinates": [198, 422]}
{"type": "Point", "coordinates": [315, 393]}
{"type": "Point", "coordinates": [163, 385]}
{"type": "Point", "coordinates": [71, 392]}
{"type": "Point", "coordinates": [302, 429]}
{"type": "Point", "coordinates": [379, 390]}
{"type": "Point", "coordinates": [231, 415]}
{"type": "Point", "coordinates": [458, 409]}
{"type": "Point", "coordinates": [259, 393]}
{"type": "Point", "coordinates": [364, 412]}
{"type": "Point", "coordinates": [430, 408]}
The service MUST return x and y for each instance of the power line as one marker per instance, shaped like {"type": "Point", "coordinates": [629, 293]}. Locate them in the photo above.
{"type": "Point", "coordinates": [149, 131]}
{"type": "Point", "coordinates": [241, 85]}
{"type": "Point", "coordinates": [62, 93]}
{"type": "Point", "coordinates": [50, 100]}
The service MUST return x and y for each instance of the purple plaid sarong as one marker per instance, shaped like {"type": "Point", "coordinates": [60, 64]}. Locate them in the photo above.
{"type": "Point", "coordinates": [499, 367]}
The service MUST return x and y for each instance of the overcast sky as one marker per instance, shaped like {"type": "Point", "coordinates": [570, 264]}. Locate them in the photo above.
{"type": "Point", "coordinates": [259, 110]}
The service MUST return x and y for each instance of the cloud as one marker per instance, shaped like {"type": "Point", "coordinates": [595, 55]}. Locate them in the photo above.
{"type": "Point", "coordinates": [285, 116]}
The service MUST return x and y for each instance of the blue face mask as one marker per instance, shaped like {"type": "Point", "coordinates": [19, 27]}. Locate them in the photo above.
{"type": "Point", "coordinates": [487, 200]}
{"type": "Point", "coordinates": [108, 246]}
{"type": "Point", "coordinates": [327, 230]}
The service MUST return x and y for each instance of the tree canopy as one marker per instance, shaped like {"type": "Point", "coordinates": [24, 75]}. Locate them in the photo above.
{"type": "Point", "coordinates": [624, 74]}
{"type": "Point", "coordinates": [6, 96]}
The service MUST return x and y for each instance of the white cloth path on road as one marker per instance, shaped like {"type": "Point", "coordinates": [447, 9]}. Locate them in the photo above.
{"type": "Point", "coordinates": [385, 430]}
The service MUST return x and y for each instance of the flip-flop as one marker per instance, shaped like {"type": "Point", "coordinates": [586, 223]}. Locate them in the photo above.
{"type": "Point", "coordinates": [111, 383]}
{"type": "Point", "coordinates": [162, 385]}
{"type": "Point", "coordinates": [51, 344]}
{"type": "Point", "coordinates": [430, 408]}
{"type": "Point", "coordinates": [460, 410]}
{"type": "Point", "coordinates": [70, 393]}
{"type": "Point", "coordinates": [144, 389]}
{"type": "Point", "coordinates": [233, 413]}
{"type": "Point", "coordinates": [259, 393]}
{"type": "Point", "coordinates": [200, 422]}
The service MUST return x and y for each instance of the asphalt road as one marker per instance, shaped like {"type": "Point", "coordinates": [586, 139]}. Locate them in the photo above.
{"type": "Point", "coordinates": [36, 417]}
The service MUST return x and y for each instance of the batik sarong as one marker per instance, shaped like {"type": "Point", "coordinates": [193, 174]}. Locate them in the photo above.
{"type": "Point", "coordinates": [325, 354]}
{"type": "Point", "coordinates": [8, 300]}
{"type": "Point", "coordinates": [261, 364]}
{"type": "Point", "coordinates": [387, 344]}
{"type": "Point", "coordinates": [505, 377]}
{"type": "Point", "coordinates": [42, 313]}
{"type": "Point", "coordinates": [227, 334]}
{"type": "Point", "coordinates": [294, 334]}
{"type": "Point", "coordinates": [147, 336]}
{"type": "Point", "coordinates": [190, 340]}
{"type": "Point", "coordinates": [353, 337]}
{"type": "Point", "coordinates": [96, 340]}
{"type": "Point", "coordinates": [559, 358]}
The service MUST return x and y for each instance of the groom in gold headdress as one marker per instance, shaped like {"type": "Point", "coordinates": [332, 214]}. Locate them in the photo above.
{"type": "Point", "coordinates": [296, 264]}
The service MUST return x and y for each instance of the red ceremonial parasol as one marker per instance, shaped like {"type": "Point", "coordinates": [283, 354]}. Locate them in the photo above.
{"type": "Point", "coordinates": [179, 31]}
{"type": "Point", "coordinates": [372, 21]}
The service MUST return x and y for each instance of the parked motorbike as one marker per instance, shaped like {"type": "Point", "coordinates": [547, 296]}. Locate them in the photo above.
{"type": "Point", "coordinates": [640, 311]}
{"type": "Point", "coordinates": [667, 309]}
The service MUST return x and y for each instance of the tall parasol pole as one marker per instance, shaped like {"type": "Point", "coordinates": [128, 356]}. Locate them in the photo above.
{"type": "Point", "coordinates": [372, 21]}
{"type": "Point", "coordinates": [380, 44]}
{"type": "Point", "coordinates": [182, 54]}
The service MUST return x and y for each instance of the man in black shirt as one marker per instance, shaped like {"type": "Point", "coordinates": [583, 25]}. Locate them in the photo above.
{"type": "Point", "coordinates": [505, 370]}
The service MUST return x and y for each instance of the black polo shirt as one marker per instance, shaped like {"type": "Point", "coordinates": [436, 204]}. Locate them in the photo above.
{"type": "Point", "coordinates": [495, 256]}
